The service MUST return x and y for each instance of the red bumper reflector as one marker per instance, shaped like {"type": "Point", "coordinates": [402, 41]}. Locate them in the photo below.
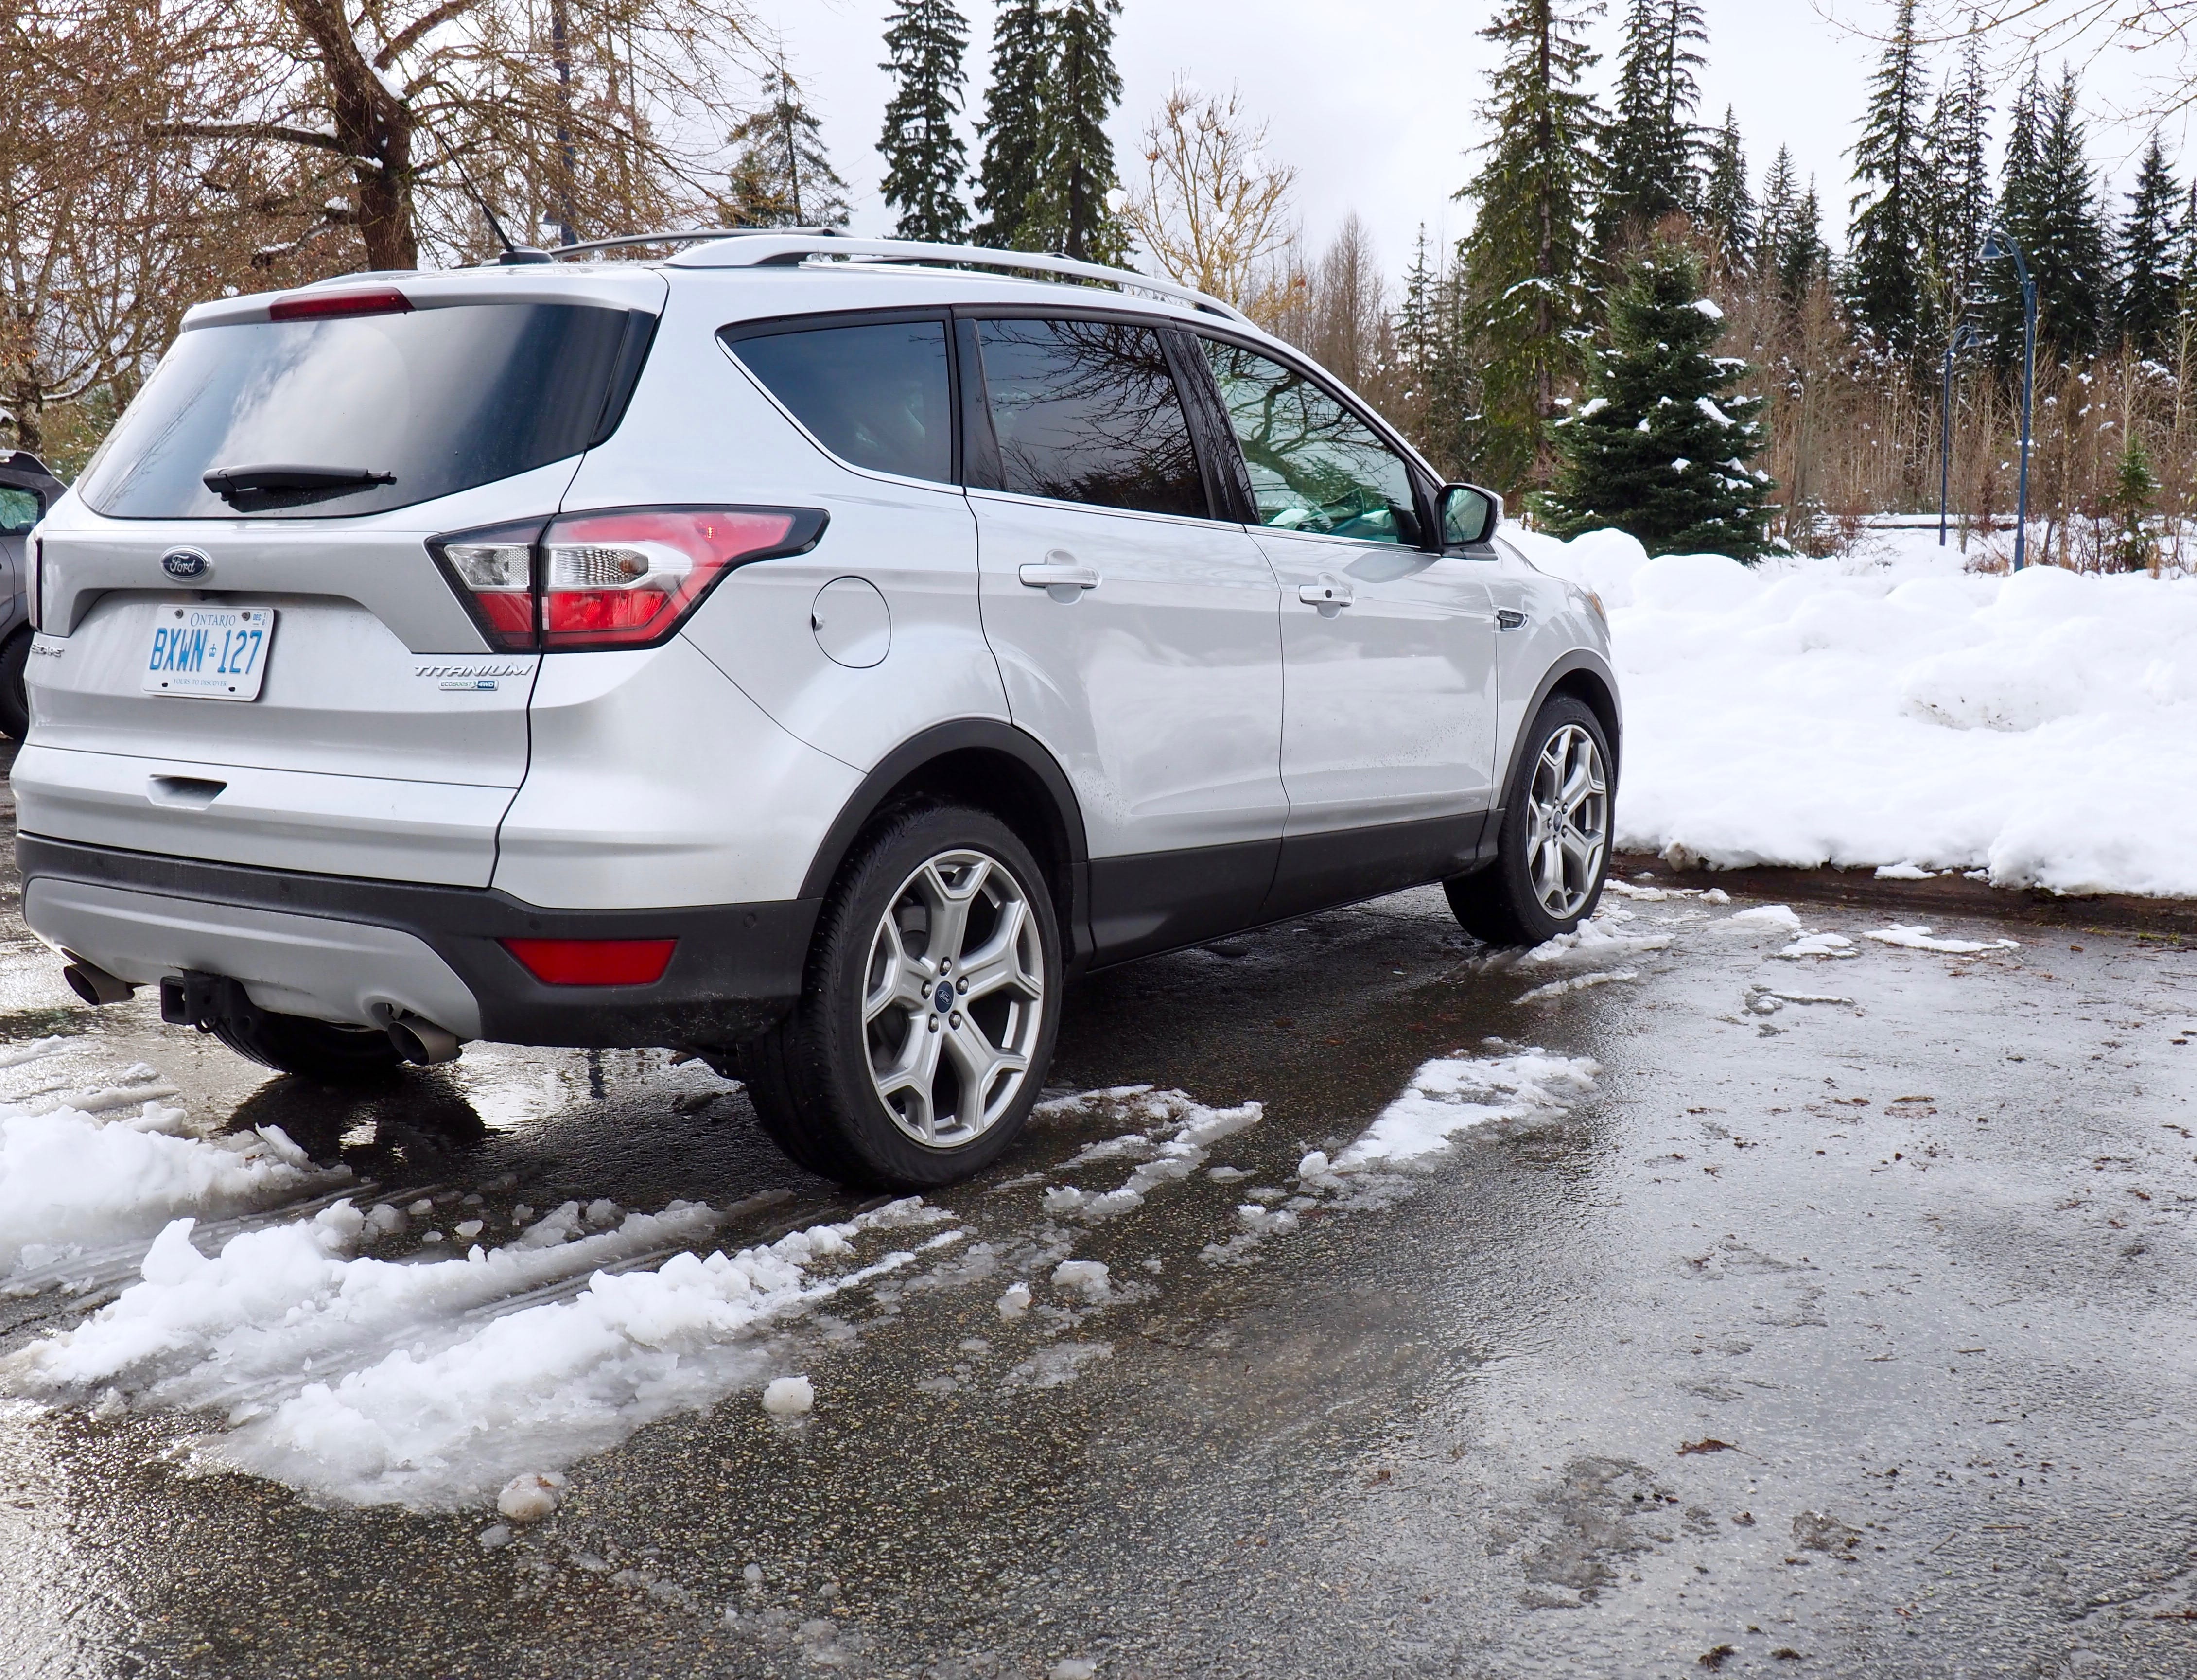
{"type": "Point", "coordinates": [593, 962]}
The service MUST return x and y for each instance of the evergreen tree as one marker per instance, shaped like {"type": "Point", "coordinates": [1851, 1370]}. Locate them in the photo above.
{"type": "Point", "coordinates": [2136, 493]}
{"type": "Point", "coordinates": [1959, 206]}
{"type": "Point", "coordinates": [924, 157]}
{"type": "Point", "coordinates": [1526, 265]}
{"type": "Point", "coordinates": [1884, 289]}
{"type": "Point", "coordinates": [1804, 259]}
{"type": "Point", "coordinates": [1727, 206]}
{"type": "Point", "coordinates": [1661, 447]}
{"type": "Point", "coordinates": [1781, 200]}
{"type": "Point", "coordinates": [1648, 157]}
{"type": "Point", "coordinates": [2049, 206]}
{"type": "Point", "coordinates": [781, 176]}
{"type": "Point", "coordinates": [1073, 202]}
{"type": "Point", "coordinates": [1013, 125]}
{"type": "Point", "coordinates": [2150, 260]}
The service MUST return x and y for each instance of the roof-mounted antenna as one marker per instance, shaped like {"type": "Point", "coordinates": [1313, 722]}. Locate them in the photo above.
{"type": "Point", "coordinates": [511, 254]}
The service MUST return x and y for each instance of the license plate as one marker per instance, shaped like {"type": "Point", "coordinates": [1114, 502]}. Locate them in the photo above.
{"type": "Point", "coordinates": [209, 653]}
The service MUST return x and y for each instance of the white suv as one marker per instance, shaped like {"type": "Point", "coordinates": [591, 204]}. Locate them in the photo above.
{"type": "Point", "coordinates": [808, 654]}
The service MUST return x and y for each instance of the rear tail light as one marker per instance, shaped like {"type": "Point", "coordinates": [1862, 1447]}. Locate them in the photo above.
{"type": "Point", "coordinates": [35, 575]}
{"type": "Point", "coordinates": [593, 962]}
{"type": "Point", "coordinates": [622, 577]}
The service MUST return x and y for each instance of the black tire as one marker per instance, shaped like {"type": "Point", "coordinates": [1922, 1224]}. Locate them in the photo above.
{"type": "Point", "coordinates": [1501, 904]}
{"type": "Point", "coordinates": [812, 1078]}
{"type": "Point", "coordinates": [313, 1049]}
{"type": "Point", "coordinates": [15, 701]}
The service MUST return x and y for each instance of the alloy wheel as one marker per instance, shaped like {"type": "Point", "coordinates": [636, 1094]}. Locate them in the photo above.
{"type": "Point", "coordinates": [953, 997]}
{"type": "Point", "coordinates": [1568, 812]}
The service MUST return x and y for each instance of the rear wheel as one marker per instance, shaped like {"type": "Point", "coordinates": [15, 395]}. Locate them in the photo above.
{"type": "Point", "coordinates": [314, 1050]}
{"type": "Point", "coordinates": [15, 701]}
{"type": "Point", "coordinates": [928, 1012]}
{"type": "Point", "coordinates": [1553, 849]}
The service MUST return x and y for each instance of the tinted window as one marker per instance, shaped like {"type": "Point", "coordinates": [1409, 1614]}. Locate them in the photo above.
{"type": "Point", "coordinates": [440, 399]}
{"type": "Point", "coordinates": [874, 395]}
{"type": "Point", "coordinates": [1315, 465]}
{"type": "Point", "coordinates": [1087, 411]}
{"type": "Point", "coordinates": [19, 510]}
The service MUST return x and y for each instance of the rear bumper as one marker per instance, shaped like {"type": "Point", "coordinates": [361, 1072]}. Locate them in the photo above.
{"type": "Point", "coordinates": [344, 949]}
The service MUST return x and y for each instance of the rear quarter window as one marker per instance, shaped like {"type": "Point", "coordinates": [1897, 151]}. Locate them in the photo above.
{"type": "Point", "coordinates": [875, 393]}
{"type": "Point", "coordinates": [436, 400]}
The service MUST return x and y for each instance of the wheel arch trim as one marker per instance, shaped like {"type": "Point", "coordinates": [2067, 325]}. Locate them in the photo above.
{"type": "Point", "coordinates": [972, 740]}
{"type": "Point", "coordinates": [1585, 673]}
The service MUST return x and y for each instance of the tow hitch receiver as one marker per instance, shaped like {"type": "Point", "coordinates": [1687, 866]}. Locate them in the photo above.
{"type": "Point", "coordinates": [192, 999]}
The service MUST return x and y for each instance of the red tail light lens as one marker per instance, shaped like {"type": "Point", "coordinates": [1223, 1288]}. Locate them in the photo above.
{"type": "Point", "coordinates": [593, 962]}
{"type": "Point", "coordinates": [622, 577]}
{"type": "Point", "coordinates": [328, 306]}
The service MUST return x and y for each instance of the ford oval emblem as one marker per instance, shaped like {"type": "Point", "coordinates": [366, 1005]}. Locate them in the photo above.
{"type": "Point", "coordinates": [185, 564]}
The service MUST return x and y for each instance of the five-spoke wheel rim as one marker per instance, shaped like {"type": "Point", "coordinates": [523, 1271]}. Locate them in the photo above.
{"type": "Point", "coordinates": [952, 998]}
{"type": "Point", "coordinates": [1569, 814]}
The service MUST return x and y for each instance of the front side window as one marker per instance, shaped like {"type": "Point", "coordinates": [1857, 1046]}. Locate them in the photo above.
{"type": "Point", "coordinates": [874, 393]}
{"type": "Point", "coordinates": [1087, 411]}
{"type": "Point", "coordinates": [371, 412]}
{"type": "Point", "coordinates": [1315, 465]}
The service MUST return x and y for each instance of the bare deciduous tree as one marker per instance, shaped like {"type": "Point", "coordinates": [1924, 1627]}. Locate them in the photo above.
{"type": "Point", "coordinates": [587, 115]}
{"type": "Point", "coordinates": [1212, 208]}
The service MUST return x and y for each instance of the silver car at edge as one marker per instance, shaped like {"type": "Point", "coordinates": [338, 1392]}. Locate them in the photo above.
{"type": "Point", "coordinates": [805, 652]}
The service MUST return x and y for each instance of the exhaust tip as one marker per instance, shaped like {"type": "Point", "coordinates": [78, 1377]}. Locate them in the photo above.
{"type": "Point", "coordinates": [423, 1041]}
{"type": "Point", "coordinates": [95, 985]}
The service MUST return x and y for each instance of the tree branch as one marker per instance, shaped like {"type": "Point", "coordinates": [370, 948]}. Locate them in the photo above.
{"type": "Point", "coordinates": [279, 131]}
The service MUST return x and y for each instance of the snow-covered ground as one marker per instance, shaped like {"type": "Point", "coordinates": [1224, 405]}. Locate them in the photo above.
{"type": "Point", "coordinates": [1891, 709]}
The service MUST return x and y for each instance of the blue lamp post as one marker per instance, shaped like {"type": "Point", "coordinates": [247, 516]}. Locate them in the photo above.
{"type": "Point", "coordinates": [1965, 335]}
{"type": "Point", "coordinates": [1996, 246]}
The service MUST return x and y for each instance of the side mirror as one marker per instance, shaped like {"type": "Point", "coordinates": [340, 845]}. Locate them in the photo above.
{"type": "Point", "coordinates": [1468, 514]}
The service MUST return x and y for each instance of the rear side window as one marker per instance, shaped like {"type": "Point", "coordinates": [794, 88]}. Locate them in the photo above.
{"type": "Point", "coordinates": [874, 393]}
{"type": "Point", "coordinates": [414, 406]}
{"type": "Point", "coordinates": [1087, 411]}
{"type": "Point", "coordinates": [19, 510]}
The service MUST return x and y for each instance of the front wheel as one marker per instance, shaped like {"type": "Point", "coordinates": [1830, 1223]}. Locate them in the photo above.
{"type": "Point", "coordinates": [1553, 849]}
{"type": "Point", "coordinates": [928, 1016]}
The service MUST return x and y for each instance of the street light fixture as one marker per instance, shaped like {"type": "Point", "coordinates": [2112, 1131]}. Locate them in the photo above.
{"type": "Point", "coordinates": [1965, 336]}
{"type": "Point", "coordinates": [1996, 246]}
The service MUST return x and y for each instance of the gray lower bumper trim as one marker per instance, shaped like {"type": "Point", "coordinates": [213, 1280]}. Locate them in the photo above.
{"type": "Point", "coordinates": [350, 972]}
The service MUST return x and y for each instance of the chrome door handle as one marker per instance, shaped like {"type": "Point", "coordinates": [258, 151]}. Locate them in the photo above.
{"type": "Point", "coordinates": [1056, 574]}
{"type": "Point", "coordinates": [1330, 595]}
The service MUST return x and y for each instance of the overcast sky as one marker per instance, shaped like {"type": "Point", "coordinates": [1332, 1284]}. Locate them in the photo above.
{"type": "Point", "coordinates": [1376, 102]}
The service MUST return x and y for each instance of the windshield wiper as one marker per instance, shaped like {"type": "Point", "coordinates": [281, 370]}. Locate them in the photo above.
{"type": "Point", "coordinates": [236, 485]}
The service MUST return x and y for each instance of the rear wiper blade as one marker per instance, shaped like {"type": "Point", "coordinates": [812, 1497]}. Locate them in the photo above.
{"type": "Point", "coordinates": [274, 483]}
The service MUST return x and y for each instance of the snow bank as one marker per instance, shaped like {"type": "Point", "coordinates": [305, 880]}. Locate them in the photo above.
{"type": "Point", "coordinates": [1901, 711]}
{"type": "Point", "coordinates": [71, 1181]}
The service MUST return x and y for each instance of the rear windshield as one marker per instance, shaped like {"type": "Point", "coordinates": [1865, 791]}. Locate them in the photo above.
{"type": "Point", "coordinates": [412, 406]}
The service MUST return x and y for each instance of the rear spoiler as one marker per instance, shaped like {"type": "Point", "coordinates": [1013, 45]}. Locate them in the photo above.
{"type": "Point", "coordinates": [21, 470]}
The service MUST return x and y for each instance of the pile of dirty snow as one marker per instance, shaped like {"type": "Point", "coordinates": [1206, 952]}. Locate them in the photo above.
{"type": "Point", "coordinates": [1892, 709]}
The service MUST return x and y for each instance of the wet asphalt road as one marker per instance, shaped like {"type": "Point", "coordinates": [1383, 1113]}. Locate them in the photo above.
{"type": "Point", "coordinates": [1917, 1268]}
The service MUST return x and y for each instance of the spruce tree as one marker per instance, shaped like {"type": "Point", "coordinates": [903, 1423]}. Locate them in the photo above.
{"type": "Point", "coordinates": [2151, 282]}
{"type": "Point", "coordinates": [1804, 259]}
{"type": "Point", "coordinates": [1069, 210]}
{"type": "Point", "coordinates": [1662, 446]}
{"type": "Point", "coordinates": [1781, 200]}
{"type": "Point", "coordinates": [781, 176]}
{"type": "Point", "coordinates": [1727, 207]}
{"type": "Point", "coordinates": [1648, 156]}
{"type": "Point", "coordinates": [1959, 209]}
{"type": "Point", "coordinates": [2134, 495]}
{"type": "Point", "coordinates": [923, 155]}
{"type": "Point", "coordinates": [1527, 263]}
{"type": "Point", "coordinates": [1013, 125]}
{"type": "Point", "coordinates": [1883, 284]}
{"type": "Point", "coordinates": [2049, 206]}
